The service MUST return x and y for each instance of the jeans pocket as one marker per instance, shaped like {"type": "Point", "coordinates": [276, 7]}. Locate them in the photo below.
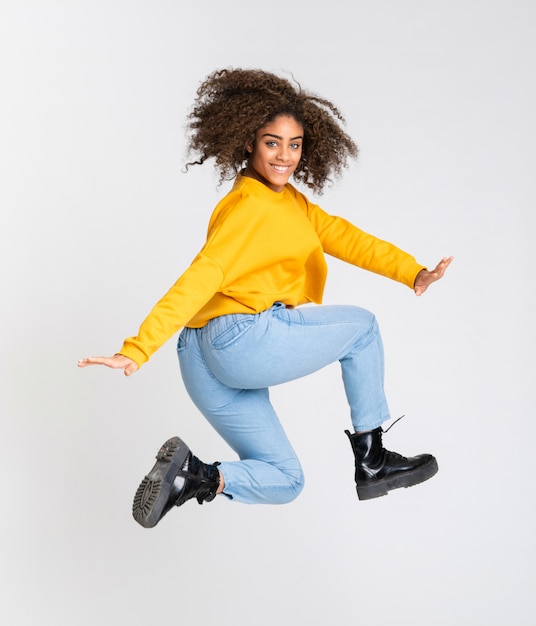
{"type": "Point", "coordinates": [232, 333]}
{"type": "Point", "coordinates": [182, 342]}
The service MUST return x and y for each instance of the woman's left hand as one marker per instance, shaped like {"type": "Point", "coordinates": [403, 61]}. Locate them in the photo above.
{"type": "Point", "coordinates": [426, 278]}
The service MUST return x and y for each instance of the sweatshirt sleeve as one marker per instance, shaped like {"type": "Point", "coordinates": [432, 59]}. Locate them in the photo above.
{"type": "Point", "coordinates": [191, 291]}
{"type": "Point", "coordinates": [229, 235]}
{"type": "Point", "coordinates": [341, 239]}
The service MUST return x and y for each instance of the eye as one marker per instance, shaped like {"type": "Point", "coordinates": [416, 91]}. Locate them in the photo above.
{"type": "Point", "coordinates": [271, 143]}
{"type": "Point", "coordinates": [295, 146]}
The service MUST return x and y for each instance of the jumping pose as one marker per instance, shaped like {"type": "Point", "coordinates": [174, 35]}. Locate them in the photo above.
{"type": "Point", "coordinates": [249, 305]}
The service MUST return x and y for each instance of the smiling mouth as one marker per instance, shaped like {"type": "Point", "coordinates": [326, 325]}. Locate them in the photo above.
{"type": "Point", "coordinates": [280, 168]}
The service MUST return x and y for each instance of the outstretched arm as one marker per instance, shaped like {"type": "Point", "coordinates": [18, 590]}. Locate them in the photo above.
{"type": "Point", "coordinates": [118, 361]}
{"type": "Point", "coordinates": [425, 278]}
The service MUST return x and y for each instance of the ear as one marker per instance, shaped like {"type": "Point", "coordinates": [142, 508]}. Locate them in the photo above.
{"type": "Point", "coordinates": [250, 146]}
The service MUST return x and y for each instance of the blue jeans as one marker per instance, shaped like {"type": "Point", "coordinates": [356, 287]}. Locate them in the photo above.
{"type": "Point", "coordinates": [229, 364]}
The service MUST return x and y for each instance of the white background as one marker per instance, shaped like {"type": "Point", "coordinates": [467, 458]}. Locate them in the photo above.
{"type": "Point", "coordinates": [98, 220]}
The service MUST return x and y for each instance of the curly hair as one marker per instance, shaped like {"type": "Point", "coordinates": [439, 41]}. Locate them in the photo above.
{"type": "Point", "coordinates": [233, 104]}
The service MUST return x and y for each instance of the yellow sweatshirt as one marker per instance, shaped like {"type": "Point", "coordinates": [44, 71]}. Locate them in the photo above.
{"type": "Point", "coordinates": [263, 247]}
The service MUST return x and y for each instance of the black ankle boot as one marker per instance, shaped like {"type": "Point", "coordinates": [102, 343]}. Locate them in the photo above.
{"type": "Point", "coordinates": [378, 471]}
{"type": "Point", "coordinates": [176, 477]}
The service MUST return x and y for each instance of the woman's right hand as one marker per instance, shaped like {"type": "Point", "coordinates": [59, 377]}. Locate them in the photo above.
{"type": "Point", "coordinates": [118, 361]}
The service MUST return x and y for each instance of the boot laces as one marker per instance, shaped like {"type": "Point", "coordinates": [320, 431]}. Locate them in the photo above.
{"type": "Point", "coordinates": [394, 455]}
{"type": "Point", "coordinates": [204, 478]}
{"type": "Point", "coordinates": [397, 420]}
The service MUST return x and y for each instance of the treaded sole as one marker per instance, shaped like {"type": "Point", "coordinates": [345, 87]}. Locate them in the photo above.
{"type": "Point", "coordinates": [153, 493]}
{"type": "Point", "coordinates": [407, 479]}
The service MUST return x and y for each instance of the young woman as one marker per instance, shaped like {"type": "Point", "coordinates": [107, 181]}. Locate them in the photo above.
{"type": "Point", "coordinates": [238, 303]}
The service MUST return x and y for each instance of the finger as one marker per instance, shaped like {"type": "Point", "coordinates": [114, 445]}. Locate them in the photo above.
{"type": "Point", "coordinates": [445, 262]}
{"type": "Point", "coordinates": [86, 362]}
{"type": "Point", "coordinates": [97, 360]}
{"type": "Point", "coordinates": [420, 289]}
{"type": "Point", "coordinates": [440, 269]}
{"type": "Point", "coordinates": [130, 369]}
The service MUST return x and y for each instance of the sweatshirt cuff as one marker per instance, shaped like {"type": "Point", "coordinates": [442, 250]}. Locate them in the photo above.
{"type": "Point", "coordinates": [408, 272]}
{"type": "Point", "coordinates": [132, 352]}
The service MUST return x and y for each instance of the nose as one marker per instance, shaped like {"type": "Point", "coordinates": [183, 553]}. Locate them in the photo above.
{"type": "Point", "coordinates": [283, 153]}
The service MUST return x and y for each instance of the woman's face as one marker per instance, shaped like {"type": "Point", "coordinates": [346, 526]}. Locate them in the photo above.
{"type": "Point", "coordinates": [276, 153]}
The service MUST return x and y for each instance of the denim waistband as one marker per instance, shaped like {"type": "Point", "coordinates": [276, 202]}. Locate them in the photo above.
{"type": "Point", "coordinates": [231, 318]}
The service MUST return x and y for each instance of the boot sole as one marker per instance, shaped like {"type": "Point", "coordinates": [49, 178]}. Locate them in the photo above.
{"type": "Point", "coordinates": [153, 493]}
{"type": "Point", "coordinates": [407, 479]}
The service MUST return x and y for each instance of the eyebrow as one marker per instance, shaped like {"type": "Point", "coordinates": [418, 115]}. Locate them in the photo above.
{"type": "Point", "coordinates": [281, 138]}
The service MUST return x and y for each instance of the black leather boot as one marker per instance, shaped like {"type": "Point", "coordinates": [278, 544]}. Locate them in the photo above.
{"type": "Point", "coordinates": [378, 471]}
{"type": "Point", "coordinates": [176, 477]}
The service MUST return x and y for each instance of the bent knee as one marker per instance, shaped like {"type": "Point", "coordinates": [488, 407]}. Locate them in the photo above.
{"type": "Point", "coordinates": [294, 484]}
